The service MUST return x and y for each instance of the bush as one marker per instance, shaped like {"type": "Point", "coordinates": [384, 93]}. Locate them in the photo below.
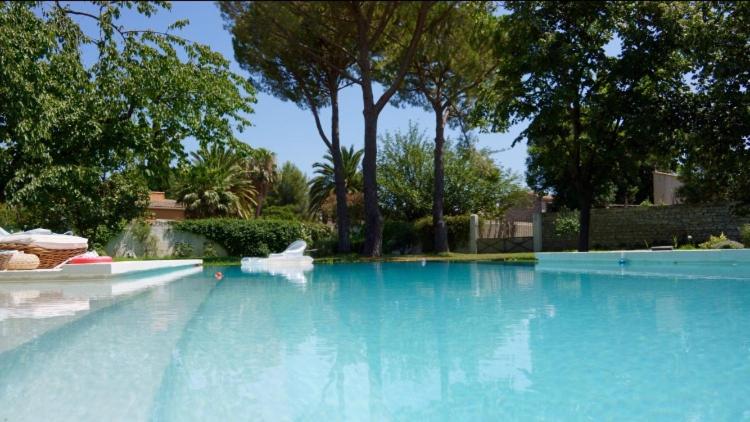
{"type": "Point", "coordinates": [567, 224]}
{"type": "Point", "coordinates": [720, 242]}
{"type": "Point", "coordinates": [209, 250]}
{"type": "Point", "coordinates": [254, 237]}
{"type": "Point", "coordinates": [745, 234]}
{"type": "Point", "coordinates": [183, 250]}
{"type": "Point", "coordinates": [399, 236]}
{"type": "Point", "coordinates": [281, 212]}
{"type": "Point", "coordinates": [458, 232]}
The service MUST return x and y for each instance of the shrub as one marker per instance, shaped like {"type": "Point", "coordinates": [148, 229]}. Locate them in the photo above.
{"type": "Point", "coordinates": [567, 224]}
{"type": "Point", "coordinates": [11, 218]}
{"type": "Point", "coordinates": [281, 212]}
{"type": "Point", "coordinates": [458, 231]}
{"type": "Point", "coordinates": [745, 234]}
{"type": "Point", "coordinates": [183, 250]}
{"type": "Point", "coordinates": [254, 237]}
{"type": "Point", "coordinates": [720, 242]}
{"type": "Point", "coordinates": [209, 250]}
{"type": "Point", "coordinates": [399, 236]}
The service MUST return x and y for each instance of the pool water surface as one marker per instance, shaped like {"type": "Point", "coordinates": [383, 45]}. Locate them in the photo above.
{"type": "Point", "coordinates": [393, 341]}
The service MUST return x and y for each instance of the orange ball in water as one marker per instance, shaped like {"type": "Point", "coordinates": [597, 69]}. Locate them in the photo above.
{"type": "Point", "coordinates": [218, 275]}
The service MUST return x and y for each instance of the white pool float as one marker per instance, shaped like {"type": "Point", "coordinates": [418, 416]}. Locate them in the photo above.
{"type": "Point", "coordinates": [291, 263]}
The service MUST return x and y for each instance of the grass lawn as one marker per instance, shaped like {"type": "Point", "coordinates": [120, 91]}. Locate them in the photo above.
{"type": "Point", "coordinates": [448, 257]}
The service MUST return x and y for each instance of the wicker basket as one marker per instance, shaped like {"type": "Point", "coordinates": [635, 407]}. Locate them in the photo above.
{"type": "Point", "coordinates": [4, 258]}
{"type": "Point", "coordinates": [48, 258]}
{"type": "Point", "coordinates": [23, 261]}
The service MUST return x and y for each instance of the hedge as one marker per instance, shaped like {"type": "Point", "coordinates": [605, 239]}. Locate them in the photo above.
{"type": "Point", "coordinates": [404, 236]}
{"type": "Point", "coordinates": [458, 232]}
{"type": "Point", "coordinates": [255, 237]}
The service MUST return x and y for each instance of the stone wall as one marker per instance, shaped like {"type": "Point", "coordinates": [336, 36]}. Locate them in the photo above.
{"type": "Point", "coordinates": [641, 227]}
{"type": "Point", "coordinates": [162, 242]}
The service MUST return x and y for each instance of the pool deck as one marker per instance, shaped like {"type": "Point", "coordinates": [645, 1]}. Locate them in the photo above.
{"type": "Point", "coordinates": [692, 256]}
{"type": "Point", "coordinates": [96, 271]}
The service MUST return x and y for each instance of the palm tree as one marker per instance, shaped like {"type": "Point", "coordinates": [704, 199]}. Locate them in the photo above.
{"type": "Point", "coordinates": [262, 167]}
{"type": "Point", "coordinates": [322, 186]}
{"type": "Point", "coordinates": [216, 184]}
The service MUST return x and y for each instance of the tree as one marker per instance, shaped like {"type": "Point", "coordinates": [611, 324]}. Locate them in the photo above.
{"type": "Point", "coordinates": [262, 169]}
{"type": "Point", "coordinates": [216, 184]}
{"type": "Point", "coordinates": [290, 190]}
{"type": "Point", "coordinates": [592, 115]}
{"type": "Point", "coordinates": [323, 184]}
{"type": "Point", "coordinates": [272, 42]}
{"type": "Point", "coordinates": [72, 131]}
{"type": "Point", "coordinates": [473, 182]}
{"type": "Point", "coordinates": [380, 30]}
{"type": "Point", "coordinates": [445, 78]}
{"type": "Point", "coordinates": [716, 150]}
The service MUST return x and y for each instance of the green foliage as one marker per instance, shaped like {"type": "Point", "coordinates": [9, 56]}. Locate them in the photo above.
{"type": "Point", "coordinates": [216, 183]}
{"type": "Point", "coordinates": [473, 182]}
{"type": "Point", "coordinates": [399, 236]}
{"type": "Point", "coordinates": [567, 224]}
{"type": "Point", "coordinates": [11, 218]}
{"type": "Point", "coordinates": [183, 250]}
{"type": "Point", "coordinates": [450, 68]}
{"type": "Point", "coordinates": [598, 121]}
{"type": "Point", "coordinates": [458, 231]}
{"type": "Point", "coordinates": [140, 229]}
{"type": "Point", "coordinates": [745, 234]}
{"type": "Point", "coordinates": [78, 138]}
{"type": "Point", "coordinates": [289, 192]}
{"type": "Point", "coordinates": [262, 168]}
{"type": "Point", "coordinates": [281, 212]}
{"type": "Point", "coordinates": [209, 250]}
{"type": "Point", "coordinates": [76, 198]}
{"type": "Point", "coordinates": [254, 237]}
{"type": "Point", "coordinates": [720, 242]}
{"type": "Point", "coordinates": [322, 186]}
{"type": "Point", "coordinates": [715, 152]}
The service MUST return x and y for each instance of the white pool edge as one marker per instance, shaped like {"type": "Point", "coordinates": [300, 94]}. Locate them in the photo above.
{"type": "Point", "coordinates": [96, 271]}
{"type": "Point", "coordinates": [693, 256]}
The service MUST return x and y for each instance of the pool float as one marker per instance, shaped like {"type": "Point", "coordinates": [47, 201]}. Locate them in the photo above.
{"type": "Point", "coordinates": [90, 260]}
{"type": "Point", "coordinates": [292, 260]}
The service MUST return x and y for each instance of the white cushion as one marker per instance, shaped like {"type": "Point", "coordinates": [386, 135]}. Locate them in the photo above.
{"type": "Point", "coordinates": [47, 241]}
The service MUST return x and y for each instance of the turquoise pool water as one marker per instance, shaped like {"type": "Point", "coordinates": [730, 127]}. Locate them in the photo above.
{"type": "Point", "coordinates": [383, 342]}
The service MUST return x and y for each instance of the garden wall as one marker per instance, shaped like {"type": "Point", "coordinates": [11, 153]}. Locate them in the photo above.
{"type": "Point", "coordinates": [641, 227]}
{"type": "Point", "coordinates": [162, 241]}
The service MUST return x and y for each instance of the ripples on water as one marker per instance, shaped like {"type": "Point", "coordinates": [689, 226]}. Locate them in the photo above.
{"type": "Point", "coordinates": [383, 342]}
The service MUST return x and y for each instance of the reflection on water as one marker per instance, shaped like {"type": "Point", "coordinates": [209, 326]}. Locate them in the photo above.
{"type": "Point", "coordinates": [398, 342]}
{"type": "Point", "coordinates": [104, 364]}
{"type": "Point", "coordinates": [61, 302]}
{"type": "Point", "coordinates": [293, 272]}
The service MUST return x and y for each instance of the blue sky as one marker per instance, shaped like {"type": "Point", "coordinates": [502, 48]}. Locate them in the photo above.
{"type": "Point", "coordinates": [281, 126]}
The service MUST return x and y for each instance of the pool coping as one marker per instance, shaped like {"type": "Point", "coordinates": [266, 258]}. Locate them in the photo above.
{"type": "Point", "coordinates": [689, 256]}
{"type": "Point", "coordinates": [96, 271]}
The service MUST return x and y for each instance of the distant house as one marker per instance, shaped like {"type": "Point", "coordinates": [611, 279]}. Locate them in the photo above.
{"type": "Point", "coordinates": [524, 212]}
{"type": "Point", "coordinates": [666, 186]}
{"type": "Point", "coordinates": [161, 208]}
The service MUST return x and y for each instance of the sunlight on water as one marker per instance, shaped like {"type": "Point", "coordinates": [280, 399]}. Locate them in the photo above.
{"type": "Point", "coordinates": [385, 342]}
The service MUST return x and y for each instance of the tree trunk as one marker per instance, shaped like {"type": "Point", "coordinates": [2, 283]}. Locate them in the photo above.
{"type": "Point", "coordinates": [438, 192]}
{"type": "Point", "coordinates": [261, 197]}
{"type": "Point", "coordinates": [584, 223]}
{"type": "Point", "coordinates": [373, 220]}
{"type": "Point", "coordinates": [342, 210]}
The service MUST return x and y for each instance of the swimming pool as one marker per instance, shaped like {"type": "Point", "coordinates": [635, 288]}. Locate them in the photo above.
{"type": "Point", "coordinates": [399, 341]}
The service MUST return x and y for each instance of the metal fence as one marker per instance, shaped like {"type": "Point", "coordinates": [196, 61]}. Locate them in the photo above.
{"type": "Point", "coordinates": [505, 235]}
